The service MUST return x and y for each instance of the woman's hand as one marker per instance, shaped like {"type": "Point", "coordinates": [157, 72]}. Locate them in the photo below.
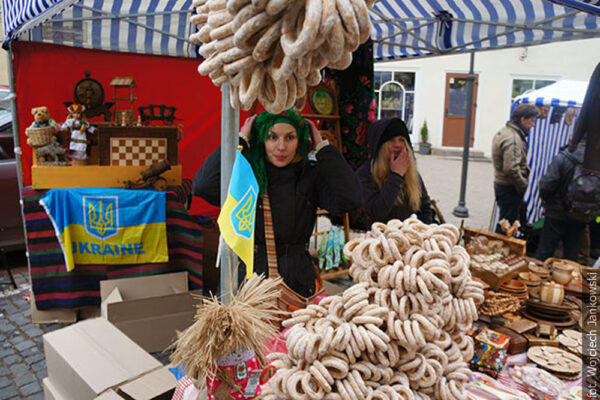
{"type": "Point", "coordinates": [247, 128]}
{"type": "Point", "coordinates": [401, 163]}
{"type": "Point", "coordinates": [314, 133]}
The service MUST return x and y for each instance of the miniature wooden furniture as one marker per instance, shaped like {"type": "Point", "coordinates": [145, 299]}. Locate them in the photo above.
{"type": "Point", "coordinates": [123, 116]}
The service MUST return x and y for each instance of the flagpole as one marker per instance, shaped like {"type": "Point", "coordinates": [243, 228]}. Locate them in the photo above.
{"type": "Point", "coordinates": [230, 118]}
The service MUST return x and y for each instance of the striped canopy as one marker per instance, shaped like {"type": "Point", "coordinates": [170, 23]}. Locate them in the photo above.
{"type": "Point", "coordinates": [402, 28]}
{"type": "Point", "coordinates": [411, 28]}
{"type": "Point", "coordinates": [136, 26]}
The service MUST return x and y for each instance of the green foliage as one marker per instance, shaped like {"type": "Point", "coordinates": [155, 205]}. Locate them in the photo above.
{"type": "Point", "coordinates": [424, 133]}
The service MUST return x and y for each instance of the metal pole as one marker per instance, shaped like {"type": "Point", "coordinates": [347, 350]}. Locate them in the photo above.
{"type": "Point", "coordinates": [461, 210]}
{"type": "Point", "coordinates": [17, 144]}
{"type": "Point", "coordinates": [230, 118]}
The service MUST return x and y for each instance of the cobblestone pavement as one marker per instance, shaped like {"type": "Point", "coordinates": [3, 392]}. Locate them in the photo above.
{"type": "Point", "coordinates": [22, 362]}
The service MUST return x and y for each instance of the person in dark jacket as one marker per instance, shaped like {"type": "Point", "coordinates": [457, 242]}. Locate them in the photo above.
{"type": "Point", "coordinates": [392, 187]}
{"type": "Point", "coordinates": [277, 147]}
{"type": "Point", "coordinates": [553, 192]}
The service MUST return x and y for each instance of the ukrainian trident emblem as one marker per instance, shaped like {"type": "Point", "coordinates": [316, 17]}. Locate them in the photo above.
{"type": "Point", "coordinates": [243, 215]}
{"type": "Point", "coordinates": [100, 216]}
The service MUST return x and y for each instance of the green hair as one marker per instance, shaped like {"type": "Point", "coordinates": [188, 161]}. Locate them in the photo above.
{"type": "Point", "coordinates": [260, 131]}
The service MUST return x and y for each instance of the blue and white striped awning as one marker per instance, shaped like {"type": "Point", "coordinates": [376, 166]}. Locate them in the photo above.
{"type": "Point", "coordinates": [134, 26]}
{"type": "Point", "coordinates": [563, 93]}
{"type": "Point", "coordinates": [411, 28]}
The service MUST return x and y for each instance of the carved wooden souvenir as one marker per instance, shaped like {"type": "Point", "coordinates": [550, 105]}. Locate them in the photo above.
{"type": "Point", "coordinates": [137, 146]}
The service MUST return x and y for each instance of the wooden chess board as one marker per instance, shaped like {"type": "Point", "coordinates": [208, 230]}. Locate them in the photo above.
{"type": "Point", "coordinates": [137, 146]}
{"type": "Point", "coordinates": [137, 151]}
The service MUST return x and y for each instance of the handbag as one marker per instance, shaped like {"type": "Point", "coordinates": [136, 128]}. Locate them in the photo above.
{"type": "Point", "coordinates": [289, 299]}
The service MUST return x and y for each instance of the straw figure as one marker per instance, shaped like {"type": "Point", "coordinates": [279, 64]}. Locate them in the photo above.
{"type": "Point", "coordinates": [223, 332]}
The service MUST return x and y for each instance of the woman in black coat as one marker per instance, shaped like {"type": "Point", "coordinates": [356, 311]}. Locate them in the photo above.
{"type": "Point", "coordinates": [392, 187]}
{"type": "Point", "coordinates": [277, 147]}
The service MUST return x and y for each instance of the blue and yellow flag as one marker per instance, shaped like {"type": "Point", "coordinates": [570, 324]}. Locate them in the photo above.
{"type": "Point", "coordinates": [108, 226]}
{"type": "Point", "coordinates": [236, 220]}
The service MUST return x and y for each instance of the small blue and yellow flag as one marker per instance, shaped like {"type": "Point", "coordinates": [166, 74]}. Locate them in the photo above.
{"type": "Point", "coordinates": [108, 226]}
{"type": "Point", "coordinates": [238, 214]}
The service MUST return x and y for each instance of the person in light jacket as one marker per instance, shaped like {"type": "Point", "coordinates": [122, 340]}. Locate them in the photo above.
{"type": "Point", "coordinates": [509, 157]}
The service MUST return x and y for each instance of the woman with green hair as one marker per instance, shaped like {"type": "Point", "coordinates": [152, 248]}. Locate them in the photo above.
{"type": "Point", "coordinates": [277, 147]}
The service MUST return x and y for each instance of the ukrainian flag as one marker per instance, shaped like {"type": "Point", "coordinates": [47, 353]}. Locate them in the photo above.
{"type": "Point", "coordinates": [238, 214]}
{"type": "Point", "coordinates": [108, 226]}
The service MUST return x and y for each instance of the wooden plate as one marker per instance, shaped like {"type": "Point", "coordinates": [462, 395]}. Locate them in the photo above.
{"type": "Point", "coordinates": [555, 360]}
{"type": "Point", "coordinates": [558, 324]}
{"type": "Point", "coordinates": [514, 285]}
{"type": "Point", "coordinates": [550, 317]}
{"type": "Point", "coordinates": [565, 307]}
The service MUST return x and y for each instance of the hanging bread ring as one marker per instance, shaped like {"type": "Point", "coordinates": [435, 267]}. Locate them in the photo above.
{"type": "Point", "coordinates": [249, 85]}
{"type": "Point", "coordinates": [239, 65]}
{"type": "Point", "coordinates": [244, 14]}
{"type": "Point", "coordinates": [218, 18]}
{"type": "Point", "coordinates": [281, 66]}
{"type": "Point", "coordinates": [248, 35]}
{"type": "Point", "coordinates": [222, 32]}
{"type": "Point", "coordinates": [265, 47]}
{"type": "Point", "coordinates": [274, 7]}
{"type": "Point", "coordinates": [343, 63]}
{"type": "Point", "coordinates": [210, 64]}
{"type": "Point", "coordinates": [233, 6]}
{"type": "Point", "coordinates": [334, 46]}
{"type": "Point", "coordinates": [297, 46]}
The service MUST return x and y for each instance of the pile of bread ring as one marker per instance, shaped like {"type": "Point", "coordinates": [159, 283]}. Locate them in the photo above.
{"type": "Point", "coordinates": [398, 333]}
{"type": "Point", "coordinates": [272, 50]}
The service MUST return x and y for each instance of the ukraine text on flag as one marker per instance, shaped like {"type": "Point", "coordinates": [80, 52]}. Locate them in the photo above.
{"type": "Point", "coordinates": [238, 214]}
{"type": "Point", "coordinates": [108, 226]}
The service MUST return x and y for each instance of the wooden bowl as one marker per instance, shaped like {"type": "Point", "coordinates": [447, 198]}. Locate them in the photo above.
{"type": "Point", "coordinates": [539, 271]}
{"type": "Point", "coordinates": [530, 278]}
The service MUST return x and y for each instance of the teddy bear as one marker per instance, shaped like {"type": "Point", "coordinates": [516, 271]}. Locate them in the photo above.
{"type": "Point", "coordinates": [41, 119]}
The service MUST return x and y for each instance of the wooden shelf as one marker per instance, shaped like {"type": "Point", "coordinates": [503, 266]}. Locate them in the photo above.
{"type": "Point", "coordinates": [319, 116]}
{"type": "Point", "coordinates": [54, 177]}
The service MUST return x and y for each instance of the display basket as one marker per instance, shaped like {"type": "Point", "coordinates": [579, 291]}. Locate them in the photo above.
{"type": "Point", "coordinates": [40, 136]}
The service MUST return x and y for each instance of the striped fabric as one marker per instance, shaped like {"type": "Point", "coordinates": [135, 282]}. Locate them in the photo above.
{"type": "Point", "coordinates": [288, 300]}
{"type": "Point", "coordinates": [133, 26]}
{"type": "Point", "coordinates": [410, 28]}
{"type": "Point", "coordinates": [18, 15]}
{"type": "Point", "coordinates": [55, 288]}
{"type": "Point", "coordinates": [543, 144]}
{"type": "Point", "coordinates": [270, 238]}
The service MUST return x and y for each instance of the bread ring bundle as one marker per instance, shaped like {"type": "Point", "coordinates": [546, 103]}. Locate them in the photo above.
{"type": "Point", "coordinates": [272, 50]}
{"type": "Point", "coordinates": [398, 333]}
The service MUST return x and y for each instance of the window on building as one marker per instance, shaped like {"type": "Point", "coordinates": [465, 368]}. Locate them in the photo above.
{"type": "Point", "coordinates": [395, 93]}
{"type": "Point", "coordinates": [522, 86]}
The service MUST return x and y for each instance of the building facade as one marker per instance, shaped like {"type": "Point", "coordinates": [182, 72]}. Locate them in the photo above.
{"type": "Point", "coordinates": [433, 89]}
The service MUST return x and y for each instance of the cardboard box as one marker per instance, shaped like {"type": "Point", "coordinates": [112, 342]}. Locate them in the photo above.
{"type": "Point", "coordinates": [50, 316]}
{"type": "Point", "coordinates": [109, 395]}
{"type": "Point", "coordinates": [91, 356]}
{"type": "Point", "coordinates": [156, 385]}
{"type": "Point", "coordinates": [150, 310]}
{"type": "Point", "coordinates": [50, 392]}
